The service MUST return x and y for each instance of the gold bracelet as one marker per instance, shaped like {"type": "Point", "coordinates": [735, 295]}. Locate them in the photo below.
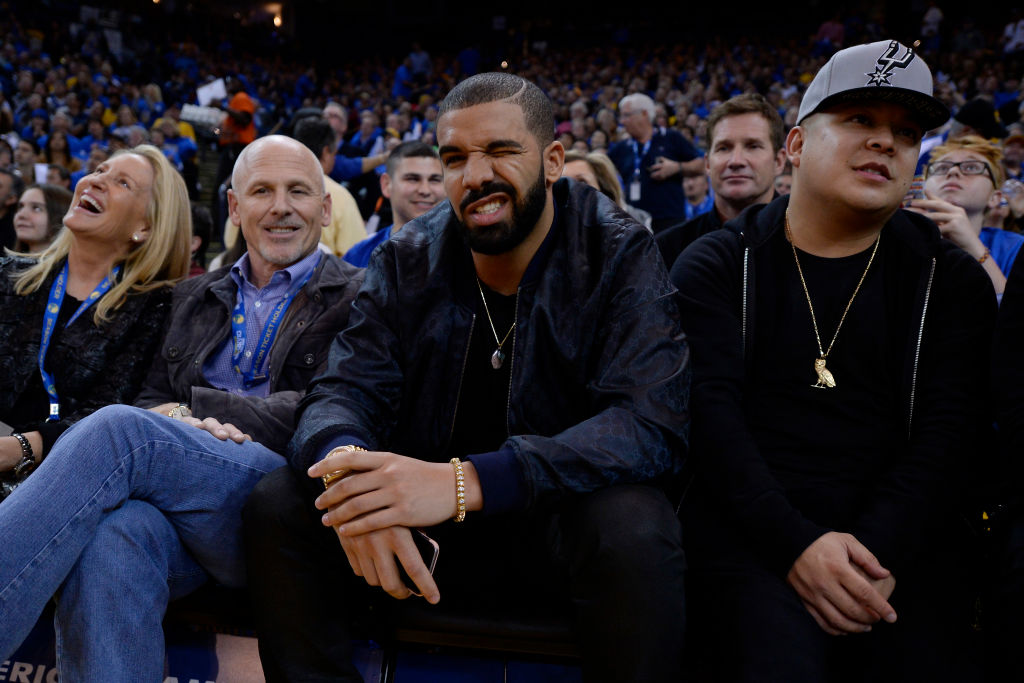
{"type": "Point", "coordinates": [984, 257]}
{"type": "Point", "coordinates": [460, 491]}
{"type": "Point", "coordinates": [334, 476]}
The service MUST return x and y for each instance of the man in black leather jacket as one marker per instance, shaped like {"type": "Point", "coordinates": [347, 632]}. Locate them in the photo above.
{"type": "Point", "coordinates": [514, 360]}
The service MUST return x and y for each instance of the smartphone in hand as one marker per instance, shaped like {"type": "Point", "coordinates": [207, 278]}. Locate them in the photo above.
{"type": "Point", "coordinates": [428, 549]}
{"type": "Point", "coordinates": [916, 191]}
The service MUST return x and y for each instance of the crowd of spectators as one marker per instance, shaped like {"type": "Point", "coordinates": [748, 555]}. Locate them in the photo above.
{"type": "Point", "coordinates": [72, 91]}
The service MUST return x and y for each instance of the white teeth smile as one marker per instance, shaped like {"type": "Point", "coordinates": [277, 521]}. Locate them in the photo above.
{"type": "Point", "coordinates": [281, 230]}
{"type": "Point", "coordinates": [92, 203]}
{"type": "Point", "coordinates": [489, 207]}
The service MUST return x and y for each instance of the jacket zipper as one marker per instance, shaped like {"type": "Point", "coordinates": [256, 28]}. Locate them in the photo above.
{"type": "Point", "coordinates": [462, 373]}
{"type": "Point", "coordinates": [743, 323]}
{"type": "Point", "coordinates": [511, 368]}
{"type": "Point", "coordinates": [917, 351]}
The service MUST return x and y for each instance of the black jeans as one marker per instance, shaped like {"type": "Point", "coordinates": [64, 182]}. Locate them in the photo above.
{"type": "Point", "coordinates": [751, 627]}
{"type": "Point", "coordinates": [613, 558]}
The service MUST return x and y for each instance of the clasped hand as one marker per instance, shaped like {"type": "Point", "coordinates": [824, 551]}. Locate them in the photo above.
{"type": "Point", "coordinates": [842, 584]}
{"type": "Point", "coordinates": [384, 490]}
{"type": "Point", "coordinates": [221, 430]}
{"type": "Point", "coordinates": [373, 508]}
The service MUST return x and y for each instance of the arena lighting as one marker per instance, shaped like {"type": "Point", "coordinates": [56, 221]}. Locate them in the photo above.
{"type": "Point", "coordinates": [277, 19]}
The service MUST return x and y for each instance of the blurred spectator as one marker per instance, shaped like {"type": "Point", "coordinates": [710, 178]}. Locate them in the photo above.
{"type": "Point", "coordinates": [6, 153]}
{"type": "Point", "coordinates": [96, 157]}
{"type": "Point", "coordinates": [58, 175]}
{"type": "Point", "coordinates": [202, 228]}
{"type": "Point", "coordinates": [58, 151]}
{"type": "Point", "coordinates": [783, 183]}
{"type": "Point", "coordinates": [699, 197]}
{"type": "Point", "coordinates": [1013, 155]}
{"type": "Point", "coordinates": [11, 187]}
{"type": "Point", "coordinates": [598, 171]}
{"type": "Point", "coordinates": [40, 216]}
{"type": "Point", "coordinates": [413, 184]}
{"type": "Point", "coordinates": [963, 180]}
{"type": "Point", "coordinates": [1012, 39]}
{"type": "Point", "coordinates": [745, 139]}
{"type": "Point", "coordinates": [26, 156]}
{"type": "Point", "coordinates": [652, 163]}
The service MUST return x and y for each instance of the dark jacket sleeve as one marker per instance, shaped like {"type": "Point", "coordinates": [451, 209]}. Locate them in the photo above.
{"type": "Point", "coordinates": [1008, 385]}
{"type": "Point", "coordinates": [156, 389]}
{"type": "Point", "coordinates": [363, 406]}
{"type": "Point", "coordinates": [269, 421]}
{"type": "Point", "coordinates": [709, 276]}
{"type": "Point", "coordinates": [949, 406]}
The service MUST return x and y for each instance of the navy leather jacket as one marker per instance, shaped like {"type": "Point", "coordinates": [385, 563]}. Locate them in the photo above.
{"type": "Point", "coordinates": [600, 367]}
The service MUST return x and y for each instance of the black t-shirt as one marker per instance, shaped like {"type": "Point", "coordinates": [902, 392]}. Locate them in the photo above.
{"type": "Point", "coordinates": [481, 419]}
{"type": "Point", "coordinates": [824, 444]}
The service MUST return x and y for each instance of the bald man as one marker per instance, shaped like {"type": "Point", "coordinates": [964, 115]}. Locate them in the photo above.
{"type": "Point", "coordinates": [136, 507]}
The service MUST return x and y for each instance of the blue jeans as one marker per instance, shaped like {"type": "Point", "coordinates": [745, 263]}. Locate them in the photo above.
{"type": "Point", "coordinates": [129, 509]}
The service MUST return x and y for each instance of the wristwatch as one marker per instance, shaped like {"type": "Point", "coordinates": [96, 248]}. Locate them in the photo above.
{"type": "Point", "coordinates": [179, 411]}
{"type": "Point", "coordinates": [28, 459]}
{"type": "Point", "coordinates": [334, 476]}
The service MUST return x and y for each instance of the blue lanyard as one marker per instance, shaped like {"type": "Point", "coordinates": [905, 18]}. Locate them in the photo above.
{"type": "Point", "coordinates": [57, 292]}
{"type": "Point", "coordinates": [638, 155]}
{"type": "Point", "coordinates": [254, 376]}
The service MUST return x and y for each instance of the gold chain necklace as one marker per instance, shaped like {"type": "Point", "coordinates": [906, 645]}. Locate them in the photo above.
{"type": "Point", "coordinates": [498, 357]}
{"type": "Point", "coordinates": [825, 378]}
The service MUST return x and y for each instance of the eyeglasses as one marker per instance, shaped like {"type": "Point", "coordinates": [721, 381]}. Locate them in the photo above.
{"type": "Point", "coordinates": [969, 167]}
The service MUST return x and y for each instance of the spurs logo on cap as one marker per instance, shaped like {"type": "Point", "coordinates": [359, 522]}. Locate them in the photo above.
{"type": "Point", "coordinates": [887, 62]}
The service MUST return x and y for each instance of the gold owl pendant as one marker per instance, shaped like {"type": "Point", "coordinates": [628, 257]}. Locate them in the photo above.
{"type": "Point", "coordinates": [825, 378]}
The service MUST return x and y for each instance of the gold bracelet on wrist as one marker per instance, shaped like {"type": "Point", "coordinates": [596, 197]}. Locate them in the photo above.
{"type": "Point", "coordinates": [334, 476]}
{"type": "Point", "coordinates": [984, 257]}
{"type": "Point", "coordinates": [460, 491]}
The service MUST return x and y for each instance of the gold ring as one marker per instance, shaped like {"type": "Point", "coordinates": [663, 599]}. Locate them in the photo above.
{"type": "Point", "coordinates": [334, 476]}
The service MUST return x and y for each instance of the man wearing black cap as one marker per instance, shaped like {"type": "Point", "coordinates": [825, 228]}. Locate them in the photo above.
{"type": "Point", "coordinates": [839, 347]}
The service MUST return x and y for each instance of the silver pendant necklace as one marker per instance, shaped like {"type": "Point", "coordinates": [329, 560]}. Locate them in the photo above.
{"type": "Point", "coordinates": [498, 357]}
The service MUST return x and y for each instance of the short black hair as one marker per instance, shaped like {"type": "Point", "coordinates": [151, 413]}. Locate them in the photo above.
{"type": "Point", "coordinates": [498, 86]}
{"type": "Point", "coordinates": [408, 150]}
{"type": "Point", "coordinates": [315, 133]}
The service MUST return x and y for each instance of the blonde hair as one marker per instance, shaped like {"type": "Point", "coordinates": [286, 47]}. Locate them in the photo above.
{"type": "Point", "coordinates": [604, 171]}
{"type": "Point", "coordinates": [978, 145]}
{"type": "Point", "coordinates": [160, 261]}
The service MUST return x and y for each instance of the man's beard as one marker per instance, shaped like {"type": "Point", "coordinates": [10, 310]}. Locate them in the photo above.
{"type": "Point", "coordinates": [505, 236]}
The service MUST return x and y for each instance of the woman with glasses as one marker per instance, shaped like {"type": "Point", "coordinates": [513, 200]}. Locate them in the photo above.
{"type": "Point", "coordinates": [961, 183]}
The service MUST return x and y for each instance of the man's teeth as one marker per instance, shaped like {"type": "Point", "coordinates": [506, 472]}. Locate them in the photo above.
{"type": "Point", "coordinates": [281, 230]}
{"type": "Point", "coordinates": [489, 207]}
